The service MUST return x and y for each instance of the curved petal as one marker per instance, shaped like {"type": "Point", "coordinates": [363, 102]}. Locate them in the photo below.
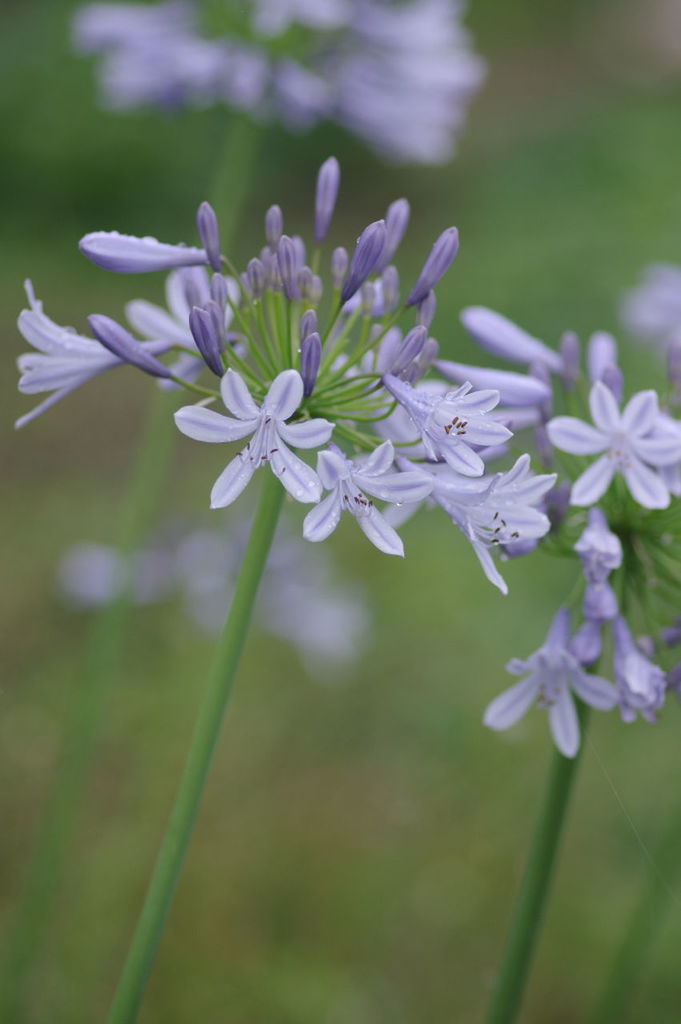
{"type": "Point", "coordinates": [322, 520]}
{"type": "Point", "coordinates": [299, 479]}
{"type": "Point", "coordinates": [307, 433]}
{"type": "Point", "coordinates": [489, 568]}
{"type": "Point", "coordinates": [237, 397]}
{"type": "Point", "coordinates": [604, 409]}
{"type": "Point", "coordinates": [127, 254]}
{"type": "Point", "coordinates": [564, 724]}
{"type": "Point", "coordinates": [203, 424]}
{"type": "Point", "coordinates": [646, 486]}
{"type": "Point", "coordinates": [663, 450]}
{"type": "Point", "coordinates": [594, 482]}
{"type": "Point", "coordinates": [510, 706]}
{"type": "Point", "coordinates": [185, 288]}
{"type": "Point", "coordinates": [285, 394]}
{"type": "Point", "coordinates": [55, 397]}
{"type": "Point", "coordinates": [396, 487]}
{"type": "Point", "coordinates": [640, 413]}
{"type": "Point", "coordinates": [232, 481]}
{"type": "Point", "coordinates": [462, 459]}
{"type": "Point", "coordinates": [153, 321]}
{"type": "Point", "coordinates": [381, 533]}
{"type": "Point", "coordinates": [574, 436]}
{"type": "Point", "coordinates": [594, 690]}
{"type": "Point", "coordinates": [380, 460]}
{"type": "Point", "coordinates": [332, 467]}
{"type": "Point", "coordinates": [487, 432]}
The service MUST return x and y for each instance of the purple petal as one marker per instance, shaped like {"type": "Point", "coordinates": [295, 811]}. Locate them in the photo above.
{"type": "Point", "coordinates": [332, 467]}
{"type": "Point", "coordinates": [437, 264]}
{"type": "Point", "coordinates": [574, 436]}
{"type": "Point", "coordinates": [564, 724]}
{"type": "Point", "coordinates": [594, 690]}
{"type": "Point", "coordinates": [604, 409]}
{"type": "Point", "coordinates": [515, 389]}
{"type": "Point", "coordinates": [640, 413]}
{"type": "Point", "coordinates": [119, 341]}
{"type": "Point", "coordinates": [594, 482]}
{"type": "Point", "coordinates": [127, 254]}
{"type": "Point", "coordinates": [661, 450]}
{"type": "Point", "coordinates": [43, 406]}
{"type": "Point", "coordinates": [285, 395]}
{"type": "Point", "coordinates": [381, 533]}
{"type": "Point", "coordinates": [463, 459]}
{"type": "Point", "coordinates": [203, 424]}
{"type": "Point", "coordinates": [152, 321]}
{"type": "Point", "coordinates": [601, 354]}
{"type": "Point", "coordinates": [646, 486]}
{"type": "Point", "coordinates": [237, 397]}
{"type": "Point", "coordinates": [510, 706]}
{"type": "Point", "coordinates": [380, 460]}
{"type": "Point", "coordinates": [503, 338]}
{"type": "Point", "coordinates": [299, 479]}
{"type": "Point", "coordinates": [559, 631]}
{"type": "Point", "coordinates": [232, 481]}
{"type": "Point", "coordinates": [396, 487]}
{"type": "Point", "coordinates": [328, 183]}
{"type": "Point", "coordinates": [322, 520]}
{"type": "Point", "coordinates": [306, 434]}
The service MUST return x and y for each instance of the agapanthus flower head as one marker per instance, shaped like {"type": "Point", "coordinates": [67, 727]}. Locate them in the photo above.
{"type": "Point", "coordinates": [304, 352]}
{"type": "Point", "coordinates": [400, 76]}
{"type": "Point", "coordinates": [553, 677]}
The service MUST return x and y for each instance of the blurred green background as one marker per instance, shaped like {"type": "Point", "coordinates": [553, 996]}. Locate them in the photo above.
{"type": "Point", "coordinates": [360, 844]}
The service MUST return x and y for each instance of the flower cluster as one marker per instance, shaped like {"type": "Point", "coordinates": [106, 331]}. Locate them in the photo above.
{"type": "Point", "coordinates": [399, 75]}
{"type": "Point", "coordinates": [302, 358]}
{"type": "Point", "coordinates": [615, 510]}
{"type": "Point", "coordinates": [301, 600]}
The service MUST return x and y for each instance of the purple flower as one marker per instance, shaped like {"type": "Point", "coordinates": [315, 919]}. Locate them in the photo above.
{"type": "Point", "coordinates": [64, 359]}
{"type": "Point", "coordinates": [553, 674]}
{"type": "Point", "coordinates": [599, 548]}
{"type": "Point", "coordinates": [515, 389]}
{"type": "Point", "coordinates": [328, 183]}
{"type": "Point", "coordinates": [365, 258]}
{"type": "Point", "coordinates": [652, 310]}
{"type": "Point", "coordinates": [438, 262]}
{"type": "Point", "coordinates": [271, 435]}
{"type": "Point", "coordinates": [629, 445]}
{"type": "Point", "coordinates": [126, 254]}
{"type": "Point", "coordinates": [641, 684]}
{"type": "Point", "coordinates": [119, 341]}
{"type": "Point", "coordinates": [349, 482]}
{"type": "Point", "coordinates": [449, 424]}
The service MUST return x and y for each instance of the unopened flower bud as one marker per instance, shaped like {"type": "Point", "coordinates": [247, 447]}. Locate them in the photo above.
{"type": "Point", "coordinates": [436, 266]}
{"type": "Point", "coordinates": [274, 226]}
{"type": "Point", "coordinates": [570, 350]}
{"type": "Point", "coordinates": [364, 259]}
{"type": "Point", "coordinates": [328, 182]}
{"type": "Point", "coordinates": [256, 277]}
{"type": "Point", "coordinates": [209, 233]}
{"type": "Point", "coordinates": [310, 360]}
{"type": "Point", "coordinates": [425, 311]}
{"type": "Point", "coordinates": [339, 265]}
{"type": "Point", "coordinates": [119, 341]}
{"type": "Point", "coordinates": [390, 284]}
{"type": "Point", "coordinates": [396, 221]}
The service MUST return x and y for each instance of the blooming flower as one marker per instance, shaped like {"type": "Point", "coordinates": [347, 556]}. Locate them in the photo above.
{"type": "Point", "coordinates": [64, 359]}
{"type": "Point", "coordinates": [271, 435]}
{"type": "Point", "coordinates": [601, 552]}
{"type": "Point", "coordinates": [349, 483]}
{"type": "Point", "coordinates": [553, 676]}
{"type": "Point", "coordinates": [399, 76]}
{"type": "Point", "coordinates": [451, 423]}
{"type": "Point", "coordinates": [641, 684]}
{"type": "Point", "coordinates": [629, 443]}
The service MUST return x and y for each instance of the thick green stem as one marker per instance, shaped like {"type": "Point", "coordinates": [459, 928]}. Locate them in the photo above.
{"type": "Point", "coordinates": [86, 708]}
{"type": "Point", "coordinates": [646, 920]}
{"type": "Point", "coordinates": [534, 892]}
{"type": "Point", "coordinates": [183, 817]}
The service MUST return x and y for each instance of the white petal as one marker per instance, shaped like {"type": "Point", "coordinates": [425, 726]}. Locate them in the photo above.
{"type": "Point", "coordinates": [658, 450]}
{"type": "Point", "coordinates": [489, 567]}
{"type": "Point", "coordinates": [594, 690]}
{"type": "Point", "coordinates": [307, 433]}
{"type": "Point", "coordinates": [640, 413]}
{"type": "Point", "coordinates": [574, 436]}
{"type": "Point", "coordinates": [285, 394]}
{"type": "Point", "coordinates": [380, 460]}
{"type": "Point", "coordinates": [380, 533]}
{"type": "Point", "coordinates": [506, 709]}
{"type": "Point", "coordinates": [152, 321]}
{"type": "Point", "coordinates": [322, 520]}
{"type": "Point", "coordinates": [232, 481]}
{"type": "Point", "coordinates": [604, 409]}
{"type": "Point", "coordinates": [646, 486]}
{"type": "Point", "coordinates": [299, 479]}
{"type": "Point", "coordinates": [564, 724]}
{"type": "Point", "coordinates": [179, 284]}
{"type": "Point", "coordinates": [463, 459]}
{"type": "Point", "coordinates": [332, 467]}
{"type": "Point", "coordinates": [203, 424]}
{"type": "Point", "coordinates": [47, 336]}
{"type": "Point", "coordinates": [237, 397]}
{"type": "Point", "coordinates": [594, 482]}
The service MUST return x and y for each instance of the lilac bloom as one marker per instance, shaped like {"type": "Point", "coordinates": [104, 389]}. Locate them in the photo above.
{"type": "Point", "coordinates": [629, 445]}
{"type": "Point", "coordinates": [515, 389]}
{"type": "Point", "coordinates": [127, 254]}
{"type": "Point", "coordinates": [64, 359]}
{"type": "Point", "coordinates": [349, 482]}
{"type": "Point", "coordinates": [271, 436]}
{"type": "Point", "coordinates": [552, 676]}
{"type": "Point", "coordinates": [652, 310]}
{"type": "Point", "coordinates": [451, 423]}
{"type": "Point", "coordinates": [641, 684]}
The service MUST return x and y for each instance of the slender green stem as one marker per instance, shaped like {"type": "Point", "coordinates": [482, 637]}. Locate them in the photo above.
{"type": "Point", "coordinates": [646, 920]}
{"type": "Point", "coordinates": [183, 817]}
{"type": "Point", "coordinates": [86, 709]}
{"type": "Point", "coordinates": [534, 892]}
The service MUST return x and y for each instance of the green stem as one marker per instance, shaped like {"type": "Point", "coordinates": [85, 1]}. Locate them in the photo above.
{"type": "Point", "coordinates": [534, 892]}
{"type": "Point", "coordinates": [183, 817]}
{"type": "Point", "coordinates": [86, 709]}
{"type": "Point", "coordinates": [646, 920]}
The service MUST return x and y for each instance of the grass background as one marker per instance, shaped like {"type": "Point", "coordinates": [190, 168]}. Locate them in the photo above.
{"type": "Point", "coordinates": [360, 844]}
